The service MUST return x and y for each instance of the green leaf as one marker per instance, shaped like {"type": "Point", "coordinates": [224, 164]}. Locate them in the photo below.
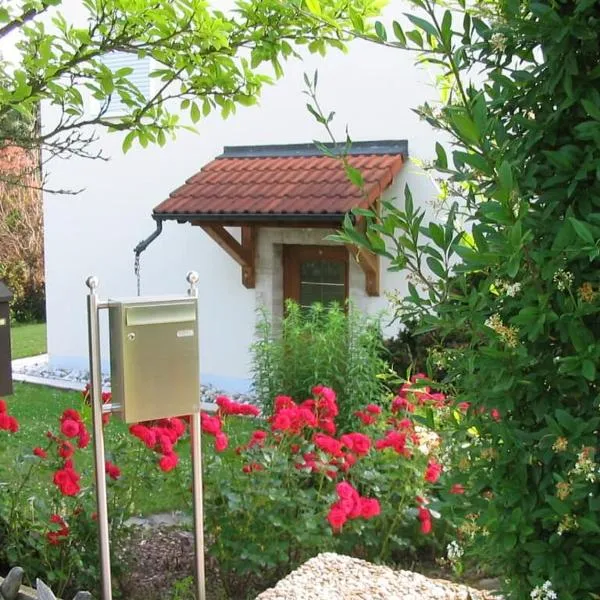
{"type": "Point", "coordinates": [427, 27]}
{"type": "Point", "coordinates": [355, 176]}
{"type": "Point", "coordinates": [588, 370]}
{"type": "Point", "coordinates": [436, 266]}
{"type": "Point", "coordinates": [380, 31]}
{"type": "Point", "coordinates": [464, 125]}
{"type": "Point", "coordinates": [314, 6]}
{"type": "Point", "coordinates": [399, 33]}
{"type": "Point", "coordinates": [591, 108]}
{"type": "Point", "coordinates": [582, 230]}
{"type": "Point", "coordinates": [194, 112]}
{"type": "Point", "coordinates": [442, 159]}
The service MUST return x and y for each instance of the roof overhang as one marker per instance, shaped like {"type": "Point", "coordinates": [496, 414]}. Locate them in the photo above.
{"type": "Point", "coordinates": [299, 185]}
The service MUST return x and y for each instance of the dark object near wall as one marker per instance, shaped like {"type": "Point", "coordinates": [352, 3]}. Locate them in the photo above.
{"type": "Point", "coordinates": [6, 387]}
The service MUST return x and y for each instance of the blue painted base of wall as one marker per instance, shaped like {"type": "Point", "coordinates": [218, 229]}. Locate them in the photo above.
{"type": "Point", "coordinates": [230, 385]}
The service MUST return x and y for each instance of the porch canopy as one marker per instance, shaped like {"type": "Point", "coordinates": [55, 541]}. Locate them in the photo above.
{"type": "Point", "coordinates": [282, 186]}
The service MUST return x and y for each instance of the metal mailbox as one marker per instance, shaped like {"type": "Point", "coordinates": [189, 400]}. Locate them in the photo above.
{"type": "Point", "coordinates": [6, 385]}
{"type": "Point", "coordinates": [154, 357]}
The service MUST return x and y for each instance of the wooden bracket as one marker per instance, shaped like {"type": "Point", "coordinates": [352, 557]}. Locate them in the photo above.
{"type": "Point", "coordinates": [244, 254]}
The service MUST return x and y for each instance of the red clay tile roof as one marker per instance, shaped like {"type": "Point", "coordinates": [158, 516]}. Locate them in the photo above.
{"type": "Point", "coordinates": [283, 181]}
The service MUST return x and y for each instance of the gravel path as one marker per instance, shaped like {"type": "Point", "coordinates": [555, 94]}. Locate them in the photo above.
{"type": "Point", "coordinates": [331, 576]}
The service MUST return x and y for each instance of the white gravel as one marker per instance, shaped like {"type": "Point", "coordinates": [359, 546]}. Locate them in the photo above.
{"type": "Point", "coordinates": [331, 576]}
{"type": "Point", "coordinates": [38, 370]}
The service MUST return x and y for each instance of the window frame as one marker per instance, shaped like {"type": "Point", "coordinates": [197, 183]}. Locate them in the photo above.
{"type": "Point", "coordinates": [295, 254]}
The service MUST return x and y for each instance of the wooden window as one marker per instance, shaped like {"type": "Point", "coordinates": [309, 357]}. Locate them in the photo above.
{"type": "Point", "coordinates": [315, 274]}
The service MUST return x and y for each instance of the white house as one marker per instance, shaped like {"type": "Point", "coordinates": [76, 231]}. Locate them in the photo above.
{"type": "Point", "coordinates": [253, 214]}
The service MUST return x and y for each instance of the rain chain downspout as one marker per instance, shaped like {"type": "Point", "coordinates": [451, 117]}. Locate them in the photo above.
{"type": "Point", "coordinates": [141, 247]}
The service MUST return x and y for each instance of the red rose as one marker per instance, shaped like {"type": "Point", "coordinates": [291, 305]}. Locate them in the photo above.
{"type": "Point", "coordinates": [168, 462]}
{"type": "Point", "coordinates": [112, 470]}
{"type": "Point", "coordinates": [425, 518]}
{"type": "Point", "coordinates": [366, 418]}
{"type": "Point", "coordinates": [328, 444]}
{"type": "Point", "coordinates": [210, 425]}
{"type": "Point", "coordinates": [84, 437]}
{"type": "Point", "coordinates": [457, 488]}
{"type": "Point", "coordinates": [336, 517]}
{"type": "Point", "coordinates": [40, 452]}
{"type": "Point", "coordinates": [358, 442]}
{"type": "Point", "coordinates": [71, 413]}
{"type": "Point", "coordinates": [369, 508]}
{"type": "Point", "coordinates": [3, 407]}
{"type": "Point", "coordinates": [65, 449]}
{"type": "Point", "coordinates": [67, 480]}
{"type": "Point", "coordinates": [433, 471]}
{"type": "Point", "coordinates": [69, 428]}
{"type": "Point", "coordinates": [221, 442]}
{"type": "Point", "coordinates": [373, 409]}
{"type": "Point", "coordinates": [495, 414]}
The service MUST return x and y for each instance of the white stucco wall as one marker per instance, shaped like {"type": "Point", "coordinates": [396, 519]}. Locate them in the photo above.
{"type": "Point", "coordinates": [372, 90]}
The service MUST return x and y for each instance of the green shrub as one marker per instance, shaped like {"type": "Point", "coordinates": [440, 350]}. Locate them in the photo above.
{"type": "Point", "coordinates": [29, 295]}
{"type": "Point", "coordinates": [272, 498]}
{"type": "Point", "coordinates": [524, 165]}
{"type": "Point", "coordinates": [322, 344]}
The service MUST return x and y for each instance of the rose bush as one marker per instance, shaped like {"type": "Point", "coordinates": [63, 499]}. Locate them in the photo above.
{"type": "Point", "coordinates": [289, 486]}
{"type": "Point", "coordinates": [296, 486]}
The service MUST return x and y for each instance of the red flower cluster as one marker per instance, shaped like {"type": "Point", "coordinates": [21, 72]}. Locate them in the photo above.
{"type": "Point", "coordinates": [317, 413]}
{"type": "Point", "coordinates": [229, 407]}
{"type": "Point", "coordinates": [40, 452]}
{"type": "Point", "coordinates": [212, 426]}
{"type": "Point", "coordinates": [67, 479]}
{"type": "Point", "coordinates": [369, 415]}
{"type": "Point", "coordinates": [457, 488]}
{"type": "Point", "coordinates": [7, 422]}
{"type": "Point", "coordinates": [56, 536]}
{"type": "Point", "coordinates": [72, 426]}
{"type": "Point", "coordinates": [350, 505]}
{"type": "Point", "coordinates": [357, 442]}
{"type": "Point", "coordinates": [422, 395]}
{"type": "Point", "coordinates": [433, 471]}
{"type": "Point", "coordinates": [396, 440]}
{"type": "Point", "coordinates": [161, 436]}
{"type": "Point", "coordinates": [112, 470]}
{"type": "Point", "coordinates": [252, 467]}
{"type": "Point", "coordinates": [424, 515]}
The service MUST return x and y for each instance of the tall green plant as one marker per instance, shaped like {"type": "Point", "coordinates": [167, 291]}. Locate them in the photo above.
{"type": "Point", "coordinates": [520, 101]}
{"type": "Point", "coordinates": [322, 344]}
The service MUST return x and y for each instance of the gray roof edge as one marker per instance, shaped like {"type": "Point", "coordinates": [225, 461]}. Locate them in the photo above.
{"type": "Point", "coordinates": [373, 147]}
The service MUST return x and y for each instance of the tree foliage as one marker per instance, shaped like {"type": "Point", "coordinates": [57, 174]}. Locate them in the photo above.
{"type": "Point", "coordinates": [513, 271]}
{"type": "Point", "coordinates": [202, 59]}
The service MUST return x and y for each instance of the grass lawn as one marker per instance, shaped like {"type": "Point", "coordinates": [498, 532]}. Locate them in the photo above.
{"type": "Point", "coordinates": [28, 339]}
{"type": "Point", "coordinates": [38, 409]}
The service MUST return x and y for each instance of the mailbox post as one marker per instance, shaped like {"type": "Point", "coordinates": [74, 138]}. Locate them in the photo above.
{"type": "Point", "coordinates": [154, 375]}
{"type": "Point", "coordinates": [6, 385]}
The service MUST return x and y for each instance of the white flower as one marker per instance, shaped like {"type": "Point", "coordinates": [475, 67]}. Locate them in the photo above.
{"type": "Point", "coordinates": [498, 42]}
{"type": "Point", "coordinates": [563, 280]}
{"type": "Point", "coordinates": [544, 592]}
{"type": "Point", "coordinates": [454, 551]}
{"type": "Point", "coordinates": [512, 289]}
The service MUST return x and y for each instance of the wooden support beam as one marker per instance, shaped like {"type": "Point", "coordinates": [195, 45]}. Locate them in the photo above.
{"type": "Point", "coordinates": [249, 242]}
{"type": "Point", "coordinates": [244, 254]}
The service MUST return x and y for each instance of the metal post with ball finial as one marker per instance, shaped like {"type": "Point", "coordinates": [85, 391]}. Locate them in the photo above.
{"type": "Point", "coordinates": [196, 443]}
